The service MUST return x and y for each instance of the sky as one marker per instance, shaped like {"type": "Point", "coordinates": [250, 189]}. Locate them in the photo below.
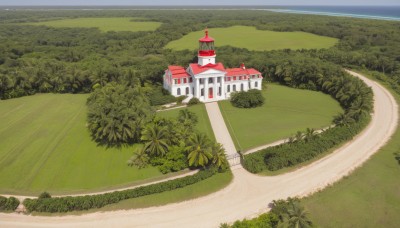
{"type": "Point", "coordinates": [202, 2]}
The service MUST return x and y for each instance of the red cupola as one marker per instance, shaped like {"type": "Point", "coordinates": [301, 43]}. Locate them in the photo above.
{"type": "Point", "coordinates": [206, 46]}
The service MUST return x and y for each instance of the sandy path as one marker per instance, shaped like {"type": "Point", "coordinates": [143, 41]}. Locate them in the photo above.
{"type": "Point", "coordinates": [248, 194]}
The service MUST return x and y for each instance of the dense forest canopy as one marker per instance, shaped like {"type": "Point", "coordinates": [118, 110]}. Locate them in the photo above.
{"type": "Point", "coordinates": [76, 60]}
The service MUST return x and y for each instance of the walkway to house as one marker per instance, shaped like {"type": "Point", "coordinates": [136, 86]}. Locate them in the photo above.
{"type": "Point", "coordinates": [221, 133]}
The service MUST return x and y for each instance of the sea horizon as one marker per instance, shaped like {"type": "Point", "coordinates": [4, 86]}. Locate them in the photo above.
{"type": "Point", "coordinates": [383, 12]}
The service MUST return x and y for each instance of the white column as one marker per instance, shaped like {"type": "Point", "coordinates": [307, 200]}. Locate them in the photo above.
{"type": "Point", "coordinates": [205, 89]}
{"type": "Point", "coordinates": [197, 85]}
{"type": "Point", "coordinates": [215, 89]}
{"type": "Point", "coordinates": [223, 87]}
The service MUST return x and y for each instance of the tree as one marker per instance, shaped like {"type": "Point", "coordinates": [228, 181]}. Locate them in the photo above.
{"type": "Point", "coordinates": [296, 216]}
{"type": "Point", "coordinates": [310, 134]}
{"type": "Point", "coordinates": [343, 119]}
{"type": "Point", "coordinates": [155, 138]}
{"type": "Point", "coordinates": [139, 159]}
{"type": "Point", "coordinates": [218, 156]}
{"type": "Point", "coordinates": [199, 150]}
{"type": "Point", "coordinates": [188, 118]}
{"type": "Point", "coordinates": [116, 114]}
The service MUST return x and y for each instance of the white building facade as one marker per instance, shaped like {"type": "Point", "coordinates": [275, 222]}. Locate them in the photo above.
{"type": "Point", "coordinates": [207, 80]}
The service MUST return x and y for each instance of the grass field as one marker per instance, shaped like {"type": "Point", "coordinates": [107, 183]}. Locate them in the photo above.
{"type": "Point", "coordinates": [253, 39]}
{"type": "Point", "coordinates": [103, 24]}
{"type": "Point", "coordinates": [286, 111]}
{"type": "Point", "coordinates": [44, 145]}
{"type": "Point", "coordinates": [203, 125]}
{"type": "Point", "coordinates": [369, 197]}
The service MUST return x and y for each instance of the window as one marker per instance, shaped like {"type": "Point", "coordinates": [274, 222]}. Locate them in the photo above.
{"type": "Point", "coordinates": [202, 92]}
{"type": "Point", "coordinates": [201, 81]}
{"type": "Point", "coordinates": [175, 81]}
{"type": "Point", "coordinates": [219, 91]}
{"type": "Point", "coordinates": [190, 80]}
{"type": "Point", "coordinates": [256, 84]}
{"type": "Point", "coordinates": [219, 80]}
{"type": "Point", "coordinates": [185, 80]}
{"type": "Point", "coordinates": [241, 87]}
{"type": "Point", "coordinates": [229, 88]}
{"type": "Point", "coordinates": [240, 78]}
{"type": "Point", "coordinates": [187, 90]}
{"type": "Point", "coordinates": [234, 78]}
{"type": "Point", "coordinates": [178, 92]}
{"type": "Point", "coordinates": [234, 88]}
{"type": "Point", "coordinates": [210, 80]}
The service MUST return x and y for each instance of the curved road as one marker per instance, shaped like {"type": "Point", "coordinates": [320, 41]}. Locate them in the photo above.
{"type": "Point", "coordinates": [248, 194]}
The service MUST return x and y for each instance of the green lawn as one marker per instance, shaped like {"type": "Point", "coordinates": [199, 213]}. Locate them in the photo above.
{"type": "Point", "coordinates": [45, 146]}
{"type": "Point", "coordinates": [253, 39]}
{"type": "Point", "coordinates": [104, 24]}
{"type": "Point", "coordinates": [369, 197]}
{"type": "Point", "coordinates": [286, 111]}
{"type": "Point", "coordinates": [203, 125]}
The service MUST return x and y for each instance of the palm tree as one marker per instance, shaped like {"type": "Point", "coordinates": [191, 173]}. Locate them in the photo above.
{"type": "Point", "coordinates": [296, 216]}
{"type": "Point", "coordinates": [199, 150]}
{"type": "Point", "coordinates": [139, 158]}
{"type": "Point", "coordinates": [299, 136]}
{"type": "Point", "coordinates": [187, 117]}
{"type": "Point", "coordinates": [343, 119]}
{"type": "Point", "coordinates": [155, 137]}
{"type": "Point", "coordinates": [310, 134]}
{"type": "Point", "coordinates": [218, 155]}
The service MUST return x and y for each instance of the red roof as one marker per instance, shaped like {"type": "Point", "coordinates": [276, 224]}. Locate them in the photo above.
{"type": "Point", "coordinates": [206, 38]}
{"type": "Point", "coordinates": [197, 69]}
{"type": "Point", "coordinates": [241, 71]}
{"type": "Point", "coordinates": [178, 72]}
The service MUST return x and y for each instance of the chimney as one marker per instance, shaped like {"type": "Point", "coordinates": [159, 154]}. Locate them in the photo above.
{"type": "Point", "coordinates": [243, 66]}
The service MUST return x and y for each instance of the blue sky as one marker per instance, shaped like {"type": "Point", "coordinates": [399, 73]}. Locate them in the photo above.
{"type": "Point", "coordinates": [202, 2]}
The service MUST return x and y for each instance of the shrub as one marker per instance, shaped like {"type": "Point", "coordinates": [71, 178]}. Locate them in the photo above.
{"type": "Point", "coordinates": [8, 204]}
{"type": "Point", "coordinates": [79, 203]}
{"type": "Point", "coordinates": [290, 154]}
{"type": "Point", "coordinates": [44, 195]}
{"type": "Point", "coordinates": [180, 99]}
{"type": "Point", "coordinates": [193, 101]}
{"type": "Point", "coordinates": [250, 99]}
{"type": "Point", "coordinates": [161, 97]}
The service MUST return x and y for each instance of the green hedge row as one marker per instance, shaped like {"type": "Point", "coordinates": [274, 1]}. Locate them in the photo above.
{"type": "Point", "coordinates": [290, 154]}
{"type": "Point", "coordinates": [80, 203]}
{"type": "Point", "coordinates": [8, 204]}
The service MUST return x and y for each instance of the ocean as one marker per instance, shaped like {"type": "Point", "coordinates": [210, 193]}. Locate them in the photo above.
{"type": "Point", "coordinates": [371, 12]}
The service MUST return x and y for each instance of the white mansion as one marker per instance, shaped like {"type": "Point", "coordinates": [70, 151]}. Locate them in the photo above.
{"type": "Point", "coordinates": [207, 80]}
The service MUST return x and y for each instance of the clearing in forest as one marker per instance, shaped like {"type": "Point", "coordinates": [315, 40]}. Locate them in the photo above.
{"type": "Point", "coordinates": [116, 24]}
{"type": "Point", "coordinates": [45, 146]}
{"type": "Point", "coordinates": [256, 40]}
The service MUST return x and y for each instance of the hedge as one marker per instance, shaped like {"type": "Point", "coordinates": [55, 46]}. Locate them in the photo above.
{"type": "Point", "coordinates": [8, 204]}
{"type": "Point", "coordinates": [290, 154]}
{"type": "Point", "coordinates": [80, 203]}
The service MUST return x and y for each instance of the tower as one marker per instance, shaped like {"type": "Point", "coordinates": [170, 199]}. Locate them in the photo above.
{"type": "Point", "coordinates": [206, 53]}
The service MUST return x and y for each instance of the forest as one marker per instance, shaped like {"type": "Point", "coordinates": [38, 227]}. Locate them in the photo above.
{"type": "Point", "coordinates": [39, 59]}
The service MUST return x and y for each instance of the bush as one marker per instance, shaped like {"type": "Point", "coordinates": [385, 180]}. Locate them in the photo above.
{"type": "Point", "coordinates": [250, 99]}
{"type": "Point", "coordinates": [8, 204]}
{"type": "Point", "coordinates": [80, 203]}
{"type": "Point", "coordinates": [290, 154]}
{"type": "Point", "coordinates": [180, 99]}
{"type": "Point", "coordinates": [44, 195]}
{"type": "Point", "coordinates": [193, 101]}
{"type": "Point", "coordinates": [161, 97]}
